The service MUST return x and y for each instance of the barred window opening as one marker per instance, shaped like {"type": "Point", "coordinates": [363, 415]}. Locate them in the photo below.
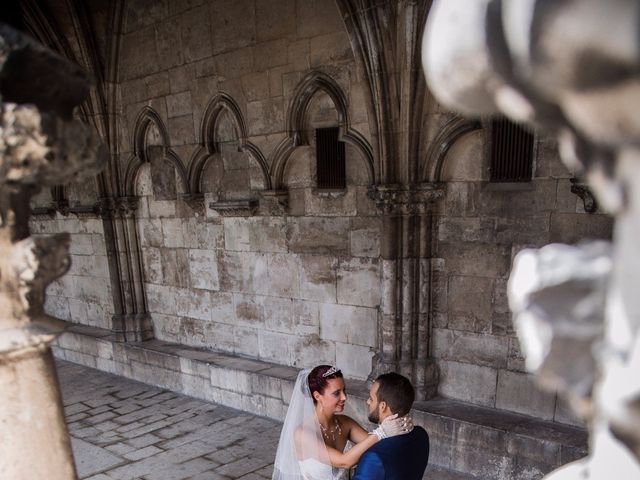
{"type": "Point", "coordinates": [511, 152]}
{"type": "Point", "coordinates": [330, 159]}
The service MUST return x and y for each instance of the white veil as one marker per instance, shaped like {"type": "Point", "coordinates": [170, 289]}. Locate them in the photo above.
{"type": "Point", "coordinates": [301, 439]}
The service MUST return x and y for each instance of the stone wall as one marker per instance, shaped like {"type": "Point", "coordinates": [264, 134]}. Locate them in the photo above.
{"type": "Point", "coordinates": [480, 228]}
{"type": "Point", "coordinates": [217, 105]}
{"type": "Point", "coordinates": [84, 294]}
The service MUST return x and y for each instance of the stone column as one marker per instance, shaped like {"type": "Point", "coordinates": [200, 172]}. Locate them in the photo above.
{"type": "Point", "coordinates": [403, 324]}
{"type": "Point", "coordinates": [40, 146]}
{"type": "Point", "coordinates": [131, 321]}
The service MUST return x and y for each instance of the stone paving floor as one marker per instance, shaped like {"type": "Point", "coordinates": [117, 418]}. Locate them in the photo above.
{"type": "Point", "coordinates": [122, 429]}
{"type": "Point", "coordinates": [126, 430]}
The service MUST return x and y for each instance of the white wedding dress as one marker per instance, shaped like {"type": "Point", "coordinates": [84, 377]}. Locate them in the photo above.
{"type": "Point", "coordinates": [312, 469]}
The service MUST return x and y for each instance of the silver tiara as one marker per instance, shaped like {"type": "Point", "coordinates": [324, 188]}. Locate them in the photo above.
{"type": "Point", "coordinates": [330, 372]}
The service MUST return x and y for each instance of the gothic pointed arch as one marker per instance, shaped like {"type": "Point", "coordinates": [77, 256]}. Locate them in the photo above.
{"type": "Point", "coordinates": [149, 118]}
{"type": "Point", "coordinates": [209, 139]}
{"type": "Point", "coordinates": [297, 120]}
{"type": "Point", "coordinates": [452, 130]}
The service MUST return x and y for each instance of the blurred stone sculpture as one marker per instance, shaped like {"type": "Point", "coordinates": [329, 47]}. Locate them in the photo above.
{"type": "Point", "coordinates": [571, 67]}
{"type": "Point", "coordinates": [40, 145]}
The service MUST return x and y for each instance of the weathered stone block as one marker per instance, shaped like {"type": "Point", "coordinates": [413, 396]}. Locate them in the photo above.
{"type": "Point", "coordinates": [318, 235]}
{"type": "Point", "coordinates": [330, 48]}
{"type": "Point", "coordinates": [99, 315]}
{"type": "Point", "coordinates": [195, 34]}
{"type": "Point", "coordinates": [470, 303]}
{"type": "Point", "coordinates": [234, 380]}
{"type": "Point", "coordinates": [181, 130]}
{"type": "Point", "coordinates": [275, 19]}
{"type": "Point", "coordinates": [152, 265]}
{"type": "Point", "coordinates": [354, 360]}
{"type": "Point", "coordinates": [161, 299]}
{"type": "Point", "coordinates": [311, 350]}
{"type": "Point", "coordinates": [172, 232]}
{"type": "Point", "coordinates": [180, 77]}
{"type": "Point", "coordinates": [482, 260]}
{"type": "Point", "coordinates": [466, 229]}
{"type": "Point", "coordinates": [161, 208]}
{"type": "Point", "coordinates": [157, 85]}
{"type": "Point", "coordinates": [364, 240]}
{"type": "Point", "coordinates": [318, 278]}
{"type": "Point", "coordinates": [234, 24]}
{"type": "Point", "coordinates": [222, 307]}
{"type": "Point", "coordinates": [246, 341]}
{"type": "Point", "coordinates": [270, 54]}
{"type": "Point", "coordinates": [268, 234]}
{"type": "Point", "coordinates": [203, 269]}
{"type": "Point", "coordinates": [138, 57]}
{"type": "Point", "coordinates": [265, 116]}
{"type": "Point", "coordinates": [249, 310]}
{"type": "Point", "coordinates": [256, 86]}
{"type": "Point", "coordinates": [278, 315]}
{"type": "Point", "coordinates": [275, 347]}
{"type": "Point", "coordinates": [77, 311]}
{"type": "Point", "coordinates": [517, 392]}
{"type": "Point", "coordinates": [349, 324]}
{"type": "Point", "coordinates": [194, 304]}
{"type": "Point", "coordinates": [532, 229]}
{"type": "Point", "coordinates": [230, 65]}
{"type": "Point", "coordinates": [316, 17]}
{"type": "Point", "coordinates": [515, 360]}
{"type": "Point", "coordinates": [179, 104]}
{"type": "Point", "coordinates": [175, 267]}
{"type": "Point", "coordinates": [486, 350]}
{"type": "Point", "coordinates": [81, 244]}
{"type": "Point", "coordinates": [574, 228]}
{"type": "Point", "coordinates": [307, 316]}
{"type": "Point", "coordinates": [283, 275]}
{"type": "Point", "coordinates": [358, 282]}
{"type": "Point", "coordinates": [469, 383]}
{"type": "Point", "coordinates": [150, 233]}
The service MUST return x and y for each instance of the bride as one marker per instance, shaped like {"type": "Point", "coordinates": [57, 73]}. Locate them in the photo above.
{"type": "Point", "coordinates": [313, 437]}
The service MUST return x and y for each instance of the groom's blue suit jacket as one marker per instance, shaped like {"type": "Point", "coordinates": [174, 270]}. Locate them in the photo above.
{"type": "Point", "coordinates": [403, 457]}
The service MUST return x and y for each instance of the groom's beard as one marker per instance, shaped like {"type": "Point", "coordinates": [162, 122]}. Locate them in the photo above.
{"type": "Point", "coordinates": [374, 417]}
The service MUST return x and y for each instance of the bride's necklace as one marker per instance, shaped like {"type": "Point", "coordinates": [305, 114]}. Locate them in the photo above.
{"type": "Point", "coordinates": [329, 433]}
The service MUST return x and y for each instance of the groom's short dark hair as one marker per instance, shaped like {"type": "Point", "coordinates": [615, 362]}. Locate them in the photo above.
{"type": "Point", "coordinates": [397, 391]}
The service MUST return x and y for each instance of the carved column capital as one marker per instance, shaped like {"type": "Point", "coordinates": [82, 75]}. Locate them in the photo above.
{"type": "Point", "coordinates": [406, 199]}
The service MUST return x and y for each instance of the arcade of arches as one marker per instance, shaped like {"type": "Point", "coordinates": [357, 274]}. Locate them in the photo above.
{"type": "Point", "coordinates": [206, 239]}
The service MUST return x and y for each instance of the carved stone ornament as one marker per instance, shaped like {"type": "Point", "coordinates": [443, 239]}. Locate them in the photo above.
{"type": "Point", "coordinates": [406, 200]}
{"type": "Point", "coordinates": [583, 191]}
{"type": "Point", "coordinates": [235, 208]}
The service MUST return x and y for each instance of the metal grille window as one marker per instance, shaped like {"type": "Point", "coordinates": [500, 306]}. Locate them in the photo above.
{"type": "Point", "coordinates": [511, 152]}
{"type": "Point", "coordinates": [330, 166]}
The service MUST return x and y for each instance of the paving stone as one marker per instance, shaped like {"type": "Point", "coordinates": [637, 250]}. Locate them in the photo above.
{"type": "Point", "coordinates": [142, 453]}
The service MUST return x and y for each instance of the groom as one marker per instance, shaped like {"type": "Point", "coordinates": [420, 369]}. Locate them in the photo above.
{"type": "Point", "coordinates": [403, 457]}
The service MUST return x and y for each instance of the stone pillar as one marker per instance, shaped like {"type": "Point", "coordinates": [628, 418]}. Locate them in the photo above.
{"type": "Point", "coordinates": [131, 322]}
{"type": "Point", "coordinates": [403, 324]}
{"type": "Point", "coordinates": [40, 146]}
